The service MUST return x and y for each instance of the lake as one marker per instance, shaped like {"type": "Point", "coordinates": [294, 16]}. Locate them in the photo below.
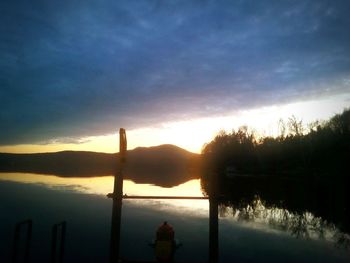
{"type": "Point", "coordinates": [82, 202]}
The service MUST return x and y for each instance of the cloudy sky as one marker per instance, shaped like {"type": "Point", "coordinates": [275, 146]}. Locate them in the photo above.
{"type": "Point", "coordinates": [76, 69]}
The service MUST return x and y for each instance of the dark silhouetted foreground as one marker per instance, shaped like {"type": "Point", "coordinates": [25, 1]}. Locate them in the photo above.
{"type": "Point", "coordinates": [302, 170]}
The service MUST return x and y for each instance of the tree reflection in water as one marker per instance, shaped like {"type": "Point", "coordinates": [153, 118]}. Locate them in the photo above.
{"type": "Point", "coordinates": [300, 177]}
{"type": "Point", "coordinates": [286, 205]}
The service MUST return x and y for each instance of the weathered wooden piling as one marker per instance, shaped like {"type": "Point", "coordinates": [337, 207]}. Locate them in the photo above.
{"type": "Point", "coordinates": [118, 199]}
{"type": "Point", "coordinates": [55, 235]}
{"type": "Point", "coordinates": [29, 224]}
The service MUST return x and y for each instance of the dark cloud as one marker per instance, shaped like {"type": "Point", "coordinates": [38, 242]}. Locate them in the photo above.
{"type": "Point", "coordinates": [77, 68]}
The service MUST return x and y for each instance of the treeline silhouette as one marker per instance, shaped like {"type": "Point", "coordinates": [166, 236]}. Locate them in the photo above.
{"type": "Point", "coordinates": [303, 169]}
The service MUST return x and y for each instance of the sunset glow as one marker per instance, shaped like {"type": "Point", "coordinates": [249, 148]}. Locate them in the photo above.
{"type": "Point", "coordinates": [192, 134]}
{"type": "Point", "coordinates": [119, 117]}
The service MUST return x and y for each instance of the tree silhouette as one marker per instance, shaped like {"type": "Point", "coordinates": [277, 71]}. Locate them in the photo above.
{"type": "Point", "coordinates": [302, 170]}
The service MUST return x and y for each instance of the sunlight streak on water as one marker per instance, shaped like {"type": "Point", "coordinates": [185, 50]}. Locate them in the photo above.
{"type": "Point", "coordinates": [91, 185]}
{"type": "Point", "coordinates": [104, 185]}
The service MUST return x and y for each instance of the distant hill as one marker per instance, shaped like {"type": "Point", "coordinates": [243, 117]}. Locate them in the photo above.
{"type": "Point", "coordinates": [164, 165]}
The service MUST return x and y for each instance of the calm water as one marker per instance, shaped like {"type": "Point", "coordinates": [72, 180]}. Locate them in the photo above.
{"type": "Point", "coordinates": [245, 237]}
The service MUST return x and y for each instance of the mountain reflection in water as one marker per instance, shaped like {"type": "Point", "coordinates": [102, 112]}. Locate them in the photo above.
{"type": "Point", "coordinates": [248, 233]}
{"type": "Point", "coordinates": [104, 184]}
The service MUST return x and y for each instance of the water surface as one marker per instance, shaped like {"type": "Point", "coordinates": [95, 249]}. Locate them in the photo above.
{"type": "Point", "coordinates": [83, 204]}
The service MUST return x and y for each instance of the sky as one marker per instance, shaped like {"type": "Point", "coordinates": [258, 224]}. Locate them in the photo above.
{"type": "Point", "coordinates": [73, 72]}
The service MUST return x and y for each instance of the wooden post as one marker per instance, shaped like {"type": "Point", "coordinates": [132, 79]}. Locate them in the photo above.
{"type": "Point", "coordinates": [117, 200]}
{"type": "Point", "coordinates": [54, 242]}
{"type": "Point", "coordinates": [213, 220]}
{"type": "Point", "coordinates": [29, 224]}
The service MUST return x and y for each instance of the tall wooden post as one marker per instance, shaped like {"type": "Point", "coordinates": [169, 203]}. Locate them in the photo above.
{"type": "Point", "coordinates": [117, 199]}
{"type": "Point", "coordinates": [213, 220]}
{"type": "Point", "coordinates": [16, 245]}
{"type": "Point", "coordinates": [55, 228]}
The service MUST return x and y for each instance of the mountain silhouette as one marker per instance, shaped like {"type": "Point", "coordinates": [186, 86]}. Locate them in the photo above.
{"type": "Point", "coordinates": [165, 165]}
